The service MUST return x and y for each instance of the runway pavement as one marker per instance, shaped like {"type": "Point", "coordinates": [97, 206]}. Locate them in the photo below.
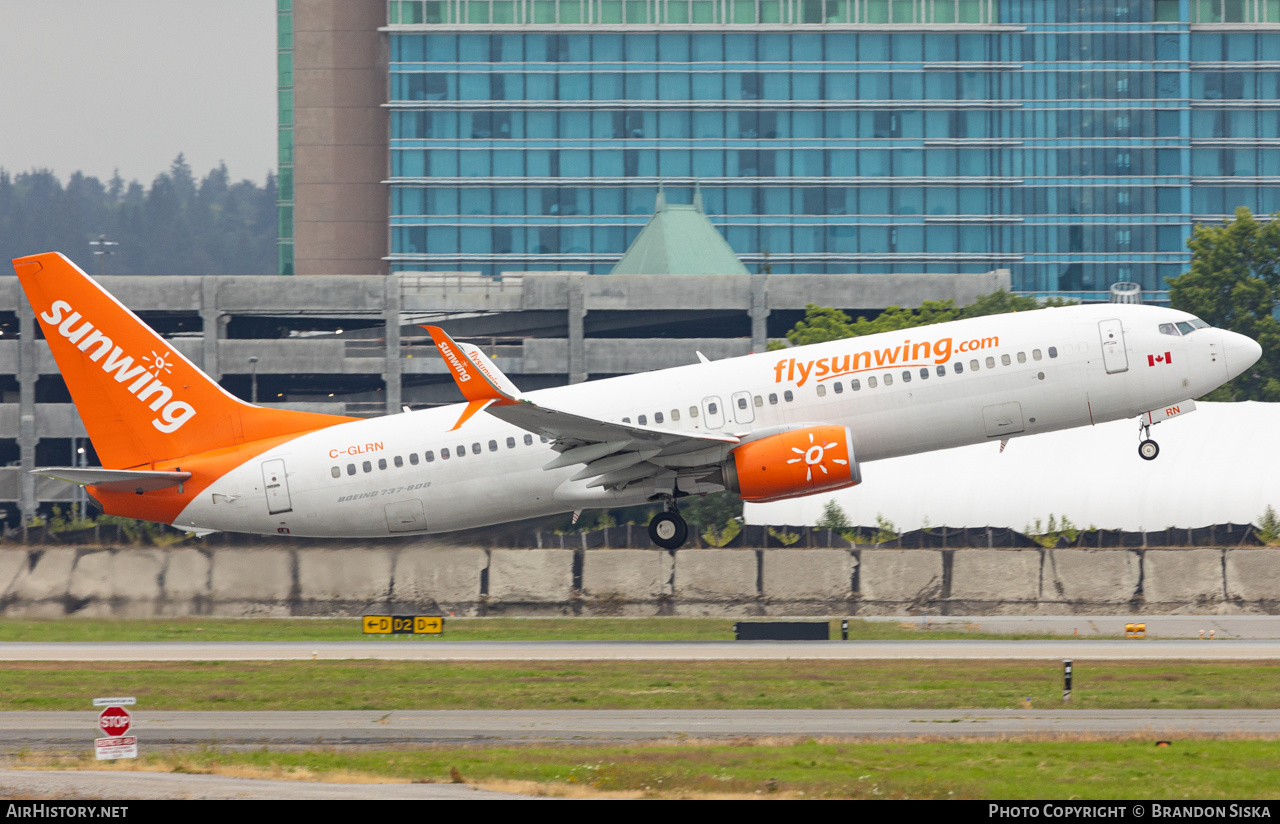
{"type": "Point", "coordinates": [303, 730]}
{"type": "Point", "coordinates": [426, 650]}
{"type": "Point", "coordinates": [1101, 626]}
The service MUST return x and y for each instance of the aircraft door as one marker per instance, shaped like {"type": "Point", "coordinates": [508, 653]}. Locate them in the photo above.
{"type": "Point", "coordinates": [1003, 420]}
{"type": "Point", "coordinates": [742, 410]}
{"type": "Point", "coordinates": [276, 484]}
{"type": "Point", "coordinates": [713, 412]}
{"type": "Point", "coordinates": [1114, 357]}
{"type": "Point", "coordinates": [405, 516]}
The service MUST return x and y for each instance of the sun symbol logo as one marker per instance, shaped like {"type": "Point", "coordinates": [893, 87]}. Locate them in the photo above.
{"type": "Point", "coordinates": [813, 456]}
{"type": "Point", "coordinates": [159, 363]}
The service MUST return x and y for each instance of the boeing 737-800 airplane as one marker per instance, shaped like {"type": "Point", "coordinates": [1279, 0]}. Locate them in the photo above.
{"type": "Point", "coordinates": [178, 449]}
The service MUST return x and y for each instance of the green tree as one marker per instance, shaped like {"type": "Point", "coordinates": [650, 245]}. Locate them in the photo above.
{"type": "Point", "coordinates": [714, 510]}
{"type": "Point", "coordinates": [820, 324]}
{"type": "Point", "coordinates": [1233, 284]}
{"type": "Point", "coordinates": [823, 323]}
{"type": "Point", "coordinates": [180, 226]}
{"type": "Point", "coordinates": [833, 517]}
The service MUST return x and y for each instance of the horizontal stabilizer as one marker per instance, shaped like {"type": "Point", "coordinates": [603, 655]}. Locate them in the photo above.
{"type": "Point", "coordinates": [116, 480]}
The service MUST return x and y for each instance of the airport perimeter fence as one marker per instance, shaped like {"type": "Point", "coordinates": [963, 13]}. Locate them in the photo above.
{"type": "Point", "coordinates": [864, 537]}
{"type": "Point", "coordinates": [636, 536]}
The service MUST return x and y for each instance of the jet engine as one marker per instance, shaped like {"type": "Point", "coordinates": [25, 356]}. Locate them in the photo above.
{"type": "Point", "coordinates": [791, 464]}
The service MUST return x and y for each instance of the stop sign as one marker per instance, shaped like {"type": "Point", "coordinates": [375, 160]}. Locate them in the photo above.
{"type": "Point", "coordinates": [114, 721]}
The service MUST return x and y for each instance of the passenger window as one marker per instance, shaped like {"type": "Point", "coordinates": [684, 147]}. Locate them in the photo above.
{"type": "Point", "coordinates": [888, 379]}
{"type": "Point", "coordinates": [657, 417]}
{"type": "Point", "coordinates": [336, 472]}
{"type": "Point", "coordinates": [1183, 327]}
{"type": "Point", "coordinates": [924, 373]}
{"type": "Point", "coordinates": [675, 414]}
{"type": "Point", "coordinates": [542, 438]}
{"type": "Point", "coordinates": [366, 466]}
{"type": "Point", "coordinates": [973, 365]}
{"type": "Point", "coordinates": [942, 369]}
{"type": "Point", "coordinates": [475, 448]}
{"type": "Point", "coordinates": [528, 440]}
{"type": "Point", "coordinates": [773, 398]}
{"type": "Point", "coordinates": [1053, 351]}
{"type": "Point", "coordinates": [788, 397]}
{"type": "Point", "coordinates": [398, 461]}
{"type": "Point", "coordinates": [958, 367]}
{"type": "Point", "coordinates": [643, 420]}
{"type": "Point", "coordinates": [351, 469]}
{"type": "Point", "coordinates": [991, 363]}
{"type": "Point", "coordinates": [822, 391]}
{"type": "Point", "coordinates": [693, 411]}
{"type": "Point", "coordinates": [1035, 354]}
{"type": "Point", "coordinates": [906, 376]}
{"type": "Point", "coordinates": [855, 384]}
{"type": "Point", "coordinates": [836, 386]}
{"type": "Point", "coordinates": [413, 458]}
{"type": "Point", "coordinates": [626, 420]}
{"type": "Point", "coordinates": [1022, 357]}
{"type": "Point", "coordinates": [760, 401]}
{"type": "Point", "coordinates": [871, 382]}
{"type": "Point", "coordinates": [461, 451]}
{"type": "Point", "coordinates": [511, 443]}
{"type": "Point", "coordinates": [712, 408]}
{"type": "Point", "coordinates": [431, 456]}
{"type": "Point", "coordinates": [1168, 329]}
{"type": "Point", "coordinates": [742, 403]}
{"type": "Point", "coordinates": [1004, 359]}
{"type": "Point", "coordinates": [444, 454]}
{"type": "Point", "coordinates": [493, 446]}
{"type": "Point", "coordinates": [382, 463]}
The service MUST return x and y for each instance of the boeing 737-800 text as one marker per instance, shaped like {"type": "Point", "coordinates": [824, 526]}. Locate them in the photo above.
{"type": "Point", "coordinates": [178, 449]}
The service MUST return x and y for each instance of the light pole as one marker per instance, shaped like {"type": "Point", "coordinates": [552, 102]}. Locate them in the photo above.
{"type": "Point", "coordinates": [104, 249]}
{"type": "Point", "coordinates": [253, 379]}
{"type": "Point", "coordinates": [81, 494]}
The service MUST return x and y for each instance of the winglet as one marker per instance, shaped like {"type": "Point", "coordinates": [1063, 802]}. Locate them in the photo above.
{"type": "Point", "coordinates": [470, 377]}
{"type": "Point", "coordinates": [478, 386]}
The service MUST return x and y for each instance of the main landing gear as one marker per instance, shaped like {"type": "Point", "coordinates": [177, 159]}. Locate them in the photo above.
{"type": "Point", "coordinates": [667, 529]}
{"type": "Point", "coordinates": [1147, 448]}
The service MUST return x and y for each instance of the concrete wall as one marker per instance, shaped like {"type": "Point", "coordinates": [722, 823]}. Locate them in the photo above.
{"type": "Point", "coordinates": [340, 138]}
{"type": "Point", "coordinates": [350, 580]}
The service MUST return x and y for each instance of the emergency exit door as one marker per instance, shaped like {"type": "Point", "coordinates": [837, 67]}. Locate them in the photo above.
{"type": "Point", "coordinates": [276, 483]}
{"type": "Point", "coordinates": [1114, 357]}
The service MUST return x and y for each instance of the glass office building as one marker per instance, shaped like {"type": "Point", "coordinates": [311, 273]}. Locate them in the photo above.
{"type": "Point", "coordinates": [1073, 143]}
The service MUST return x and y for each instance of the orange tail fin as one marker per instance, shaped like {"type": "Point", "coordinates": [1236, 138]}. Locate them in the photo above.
{"type": "Point", "coordinates": [141, 401]}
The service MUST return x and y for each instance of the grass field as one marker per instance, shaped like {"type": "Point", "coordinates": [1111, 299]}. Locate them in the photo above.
{"type": "Point", "coordinates": [1007, 769]}
{"type": "Point", "coordinates": [456, 629]}
{"type": "Point", "coordinates": [795, 684]}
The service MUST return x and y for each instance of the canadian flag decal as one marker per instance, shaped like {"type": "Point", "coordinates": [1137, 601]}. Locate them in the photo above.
{"type": "Point", "coordinates": [1152, 360]}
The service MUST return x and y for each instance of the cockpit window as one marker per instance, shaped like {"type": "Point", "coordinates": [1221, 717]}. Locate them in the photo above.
{"type": "Point", "coordinates": [1168, 329]}
{"type": "Point", "coordinates": [1185, 328]}
{"type": "Point", "coordinates": [1199, 324]}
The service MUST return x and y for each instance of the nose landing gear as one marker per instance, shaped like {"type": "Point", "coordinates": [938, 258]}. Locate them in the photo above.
{"type": "Point", "coordinates": [1147, 448]}
{"type": "Point", "coordinates": [667, 529]}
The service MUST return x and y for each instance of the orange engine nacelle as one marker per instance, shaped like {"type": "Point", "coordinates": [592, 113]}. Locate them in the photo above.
{"type": "Point", "coordinates": [791, 464]}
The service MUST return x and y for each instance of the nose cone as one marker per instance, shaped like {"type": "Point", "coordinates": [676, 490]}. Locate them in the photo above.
{"type": "Point", "coordinates": [1241, 352]}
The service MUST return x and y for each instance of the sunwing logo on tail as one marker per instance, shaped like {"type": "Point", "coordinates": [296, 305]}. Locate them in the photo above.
{"type": "Point", "coordinates": [143, 380]}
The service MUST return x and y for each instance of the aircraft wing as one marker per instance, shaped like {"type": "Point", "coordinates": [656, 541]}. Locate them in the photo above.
{"type": "Point", "coordinates": [614, 454]}
{"type": "Point", "coordinates": [127, 480]}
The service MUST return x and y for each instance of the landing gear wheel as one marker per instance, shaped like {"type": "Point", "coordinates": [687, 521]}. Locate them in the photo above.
{"type": "Point", "coordinates": [668, 530]}
{"type": "Point", "coordinates": [1148, 450]}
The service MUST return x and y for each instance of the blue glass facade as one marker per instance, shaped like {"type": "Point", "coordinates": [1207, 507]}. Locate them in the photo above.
{"type": "Point", "coordinates": [1073, 143]}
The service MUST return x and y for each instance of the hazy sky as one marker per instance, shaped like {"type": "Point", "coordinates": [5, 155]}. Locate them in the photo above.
{"type": "Point", "coordinates": [100, 85]}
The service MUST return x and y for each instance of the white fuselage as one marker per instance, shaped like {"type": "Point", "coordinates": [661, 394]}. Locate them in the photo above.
{"type": "Point", "coordinates": [1057, 376]}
